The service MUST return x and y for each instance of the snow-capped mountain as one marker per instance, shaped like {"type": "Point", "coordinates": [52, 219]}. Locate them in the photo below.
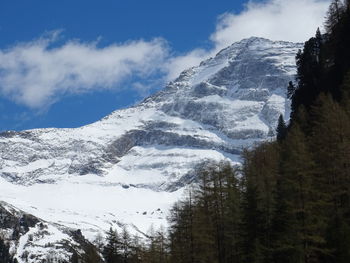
{"type": "Point", "coordinates": [130, 166]}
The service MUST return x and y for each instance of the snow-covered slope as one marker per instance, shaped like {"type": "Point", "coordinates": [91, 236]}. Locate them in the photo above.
{"type": "Point", "coordinates": [32, 240]}
{"type": "Point", "coordinates": [130, 166]}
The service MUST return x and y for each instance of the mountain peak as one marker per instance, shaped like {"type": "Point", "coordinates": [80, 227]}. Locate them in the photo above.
{"type": "Point", "coordinates": [143, 156]}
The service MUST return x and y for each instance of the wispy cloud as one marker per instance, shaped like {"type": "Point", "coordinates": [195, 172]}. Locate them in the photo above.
{"type": "Point", "coordinates": [36, 73]}
{"type": "Point", "coordinates": [39, 72]}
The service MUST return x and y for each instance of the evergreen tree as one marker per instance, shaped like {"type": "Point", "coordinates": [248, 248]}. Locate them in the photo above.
{"type": "Point", "coordinates": [334, 15]}
{"type": "Point", "coordinates": [111, 252]}
{"type": "Point", "coordinates": [310, 73]}
{"type": "Point", "coordinates": [206, 225]}
{"type": "Point", "coordinates": [331, 142]}
{"type": "Point", "coordinates": [125, 243]}
{"type": "Point", "coordinates": [251, 220]}
{"type": "Point", "coordinates": [260, 171]}
{"type": "Point", "coordinates": [284, 236]}
{"type": "Point", "coordinates": [137, 250]}
{"type": "Point", "coordinates": [232, 214]}
{"type": "Point", "coordinates": [302, 201]}
{"type": "Point", "coordinates": [157, 251]}
{"type": "Point", "coordinates": [281, 129]}
{"type": "Point", "coordinates": [182, 231]}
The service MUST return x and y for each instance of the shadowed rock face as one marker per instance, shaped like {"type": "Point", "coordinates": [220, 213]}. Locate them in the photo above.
{"type": "Point", "coordinates": [227, 103]}
{"type": "Point", "coordinates": [34, 240]}
{"type": "Point", "coordinates": [18, 222]}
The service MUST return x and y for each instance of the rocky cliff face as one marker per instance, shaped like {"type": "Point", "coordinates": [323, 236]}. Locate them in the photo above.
{"type": "Point", "coordinates": [30, 239]}
{"type": "Point", "coordinates": [131, 165]}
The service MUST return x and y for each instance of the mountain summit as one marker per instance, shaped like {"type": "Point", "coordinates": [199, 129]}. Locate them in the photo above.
{"type": "Point", "coordinates": [130, 166]}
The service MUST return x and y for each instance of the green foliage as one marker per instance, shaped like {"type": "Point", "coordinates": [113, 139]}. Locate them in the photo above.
{"type": "Point", "coordinates": [323, 63]}
{"type": "Point", "coordinates": [205, 226]}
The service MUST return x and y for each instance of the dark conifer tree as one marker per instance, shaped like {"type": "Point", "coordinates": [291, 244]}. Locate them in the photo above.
{"type": "Point", "coordinates": [331, 142]}
{"type": "Point", "coordinates": [125, 244]}
{"type": "Point", "coordinates": [310, 73]}
{"type": "Point", "coordinates": [137, 250]}
{"type": "Point", "coordinates": [284, 236]}
{"type": "Point", "coordinates": [111, 252]}
{"type": "Point", "coordinates": [250, 231]}
{"type": "Point", "coordinates": [281, 129]}
{"type": "Point", "coordinates": [182, 239]}
{"type": "Point", "coordinates": [334, 13]}
{"type": "Point", "coordinates": [302, 200]}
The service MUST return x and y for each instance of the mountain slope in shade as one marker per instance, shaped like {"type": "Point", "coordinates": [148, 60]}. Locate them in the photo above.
{"type": "Point", "coordinates": [31, 239]}
{"type": "Point", "coordinates": [132, 165]}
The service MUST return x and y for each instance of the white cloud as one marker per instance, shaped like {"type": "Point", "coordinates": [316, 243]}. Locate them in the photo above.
{"type": "Point", "coordinates": [179, 63]}
{"type": "Point", "coordinates": [289, 20]}
{"type": "Point", "coordinates": [39, 72]}
{"type": "Point", "coordinates": [36, 74]}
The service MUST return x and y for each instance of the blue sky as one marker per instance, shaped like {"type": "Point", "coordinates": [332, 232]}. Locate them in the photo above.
{"type": "Point", "coordinates": [69, 63]}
